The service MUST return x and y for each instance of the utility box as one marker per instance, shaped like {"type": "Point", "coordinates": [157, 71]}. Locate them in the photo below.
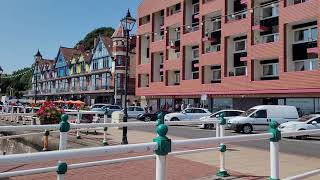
{"type": "Point", "coordinates": [117, 117]}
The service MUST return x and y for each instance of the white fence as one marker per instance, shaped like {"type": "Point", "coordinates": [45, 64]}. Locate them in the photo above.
{"type": "Point", "coordinates": [162, 146]}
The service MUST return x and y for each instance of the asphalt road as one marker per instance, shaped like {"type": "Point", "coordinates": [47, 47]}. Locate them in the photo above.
{"type": "Point", "coordinates": [309, 147]}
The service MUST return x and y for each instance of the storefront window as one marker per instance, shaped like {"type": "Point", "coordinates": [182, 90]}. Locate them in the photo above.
{"type": "Point", "coordinates": [221, 103]}
{"type": "Point", "coordinates": [303, 105]}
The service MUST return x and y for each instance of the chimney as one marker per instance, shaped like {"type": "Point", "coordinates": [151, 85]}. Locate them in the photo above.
{"type": "Point", "coordinates": [80, 47]}
{"type": "Point", "coordinates": [95, 41]}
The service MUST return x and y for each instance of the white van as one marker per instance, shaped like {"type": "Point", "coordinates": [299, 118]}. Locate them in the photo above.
{"type": "Point", "coordinates": [259, 117]}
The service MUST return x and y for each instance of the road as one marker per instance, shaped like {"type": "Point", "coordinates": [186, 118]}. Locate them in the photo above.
{"type": "Point", "coordinates": [310, 147]}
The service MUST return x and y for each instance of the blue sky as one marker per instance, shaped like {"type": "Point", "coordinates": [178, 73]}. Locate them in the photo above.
{"type": "Point", "coordinates": [26, 25]}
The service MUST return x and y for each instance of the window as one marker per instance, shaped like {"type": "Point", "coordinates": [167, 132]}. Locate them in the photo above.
{"type": "Point", "coordinates": [270, 11]}
{"type": "Point", "coordinates": [130, 108]}
{"type": "Point", "coordinates": [177, 77]}
{"type": "Point", "coordinates": [232, 113]}
{"type": "Point", "coordinates": [195, 8]}
{"type": "Point", "coordinates": [83, 67]}
{"type": "Point", "coordinates": [240, 46]}
{"type": "Point", "coordinates": [261, 114]}
{"type": "Point", "coordinates": [139, 109]}
{"type": "Point", "coordinates": [198, 111]}
{"type": "Point", "coordinates": [75, 69]}
{"type": "Point", "coordinates": [216, 73]}
{"type": "Point", "coordinates": [270, 70]}
{"type": "Point", "coordinates": [188, 111]}
{"type": "Point", "coordinates": [95, 65]}
{"type": "Point", "coordinates": [105, 62]}
{"type": "Point", "coordinates": [195, 54]}
{"type": "Point", "coordinates": [299, 1]}
{"type": "Point", "coordinates": [306, 35]}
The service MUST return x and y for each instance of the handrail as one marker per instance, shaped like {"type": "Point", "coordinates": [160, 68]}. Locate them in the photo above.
{"type": "Point", "coordinates": [98, 163]}
{"type": "Point", "coordinates": [76, 153]}
{"type": "Point", "coordinates": [101, 125]}
{"type": "Point", "coordinates": [304, 175]}
{"type": "Point", "coordinates": [217, 140]}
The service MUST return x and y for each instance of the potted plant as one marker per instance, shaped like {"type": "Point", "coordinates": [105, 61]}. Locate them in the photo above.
{"type": "Point", "coordinates": [49, 113]}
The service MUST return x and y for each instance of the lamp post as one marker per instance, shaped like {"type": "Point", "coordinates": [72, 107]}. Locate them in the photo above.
{"type": "Point", "coordinates": [1, 71]}
{"type": "Point", "coordinates": [37, 57]}
{"type": "Point", "coordinates": [127, 23]}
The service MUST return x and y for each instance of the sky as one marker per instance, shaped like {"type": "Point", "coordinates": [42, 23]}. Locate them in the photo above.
{"type": "Point", "coordinates": [29, 25]}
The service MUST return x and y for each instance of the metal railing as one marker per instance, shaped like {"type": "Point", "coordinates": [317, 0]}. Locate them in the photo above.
{"type": "Point", "coordinates": [161, 145]}
{"type": "Point", "coordinates": [306, 65]}
{"type": "Point", "coordinates": [238, 71]}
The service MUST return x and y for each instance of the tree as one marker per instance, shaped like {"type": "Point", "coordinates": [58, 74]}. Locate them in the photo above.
{"type": "Point", "coordinates": [19, 80]}
{"type": "Point", "coordinates": [89, 38]}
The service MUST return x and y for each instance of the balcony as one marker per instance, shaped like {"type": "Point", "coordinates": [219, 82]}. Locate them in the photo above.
{"type": "Point", "coordinates": [260, 28]}
{"type": "Point", "coordinates": [174, 44]}
{"type": "Point", "coordinates": [238, 71]}
{"type": "Point", "coordinates": [268, 38]}
{"type": "Point", "coordinates": [237, 16]}
{"type": "Point", "coordinates": [212, 48]}
{"type": "Point", "coordinates": [306, 65]}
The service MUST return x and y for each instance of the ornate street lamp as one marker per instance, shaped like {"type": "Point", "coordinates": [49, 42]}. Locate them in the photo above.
{"type": "Point", "coordinates": [37, 57]}
{"type": "Point", "coordinates": [1, 71]}
{"type": "Point", "coordinates": [127, 23]}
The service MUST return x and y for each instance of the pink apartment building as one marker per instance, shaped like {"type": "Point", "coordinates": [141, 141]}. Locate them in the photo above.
{"type": "Point", "coordinates": [229, 53]}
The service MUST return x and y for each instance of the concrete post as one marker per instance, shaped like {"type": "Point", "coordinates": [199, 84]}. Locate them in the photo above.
{"type": "Point", "coordinates": [17, 117]}
{"type": "Point", "coordinates": [45, 141]}
{"type": "Point", "coordinates": [164, 147]}
{"type": "Point", "coordinates": [78, 122]}
{"type": "Point", "coordinates": [274, 150]}
{"type": "Point", "coordinates": [64, 128]}
{"type": "Point", "coordinates": [24, 118]}
{"type": "Point", "coordinates": [105, 129]}
{"type": "Point", "coordinates": [12, 113]}
{"type": "Point", "coordinates": [222, 170]}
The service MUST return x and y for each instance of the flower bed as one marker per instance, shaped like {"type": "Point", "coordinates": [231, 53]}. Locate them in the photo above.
{"type": "Point", "coordinates": [49, 113]}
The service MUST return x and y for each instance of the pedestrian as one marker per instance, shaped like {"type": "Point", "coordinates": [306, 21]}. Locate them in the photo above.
{"type": "Point", "coordinates": [182, 106]}
{"type": "Point", "coordinates": [188, 106]}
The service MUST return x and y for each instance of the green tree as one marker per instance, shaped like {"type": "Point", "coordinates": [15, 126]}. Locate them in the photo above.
{"type": "Point", "coordinates": [89, 38]}
{"type": "Point", "coordinates": [19, 80]}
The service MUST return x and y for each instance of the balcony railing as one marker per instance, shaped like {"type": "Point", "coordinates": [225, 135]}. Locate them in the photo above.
{"type": "Point", "coordinates": [268, 38]}
{"type": "Point", "coordinates": [237, 16]}
{"type": "Point", "coordinates": [212, 48]}
{"type": "Point", "coordinates": [306, 65]}
{"type": "Point", "coordinates": [293, 2]}
{"type": "Point", "coordinates": [238, 71]}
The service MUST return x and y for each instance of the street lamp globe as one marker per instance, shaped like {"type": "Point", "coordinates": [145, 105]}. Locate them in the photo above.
{"type": "Point", "coordinates": [128, 22]}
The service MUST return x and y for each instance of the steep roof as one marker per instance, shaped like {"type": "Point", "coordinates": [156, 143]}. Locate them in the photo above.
{"type": "Point", "coordinates": [68, 53]}
{"type": "Point", "coordinates": [108, 43]}
{"type": "Point", "coordinates": [87, 56]}
{"type": "Point", "coordinates": [118, 33]}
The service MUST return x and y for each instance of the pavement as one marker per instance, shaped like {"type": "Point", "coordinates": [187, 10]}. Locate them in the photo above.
{"type": "Point", "coordinates": [242, 161]}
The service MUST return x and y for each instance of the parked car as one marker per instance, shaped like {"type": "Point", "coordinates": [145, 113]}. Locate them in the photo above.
{"type": "Point", "coordinates": [98, 107]}
{"type": "Point", "coordinates": [307, 122]}
{"type": "Point", "coordinates": [259, 117]}
{"type": "Point", "coordinates": [150, 116]}
{"type": "Point", "coordinates": [227, 114]}
{"type": "Point", "coordinates": [109, 109]}
{"type": "Point", "coordinates": [187, 114]}
{"type": "Point", "coordinates": [135, 111]}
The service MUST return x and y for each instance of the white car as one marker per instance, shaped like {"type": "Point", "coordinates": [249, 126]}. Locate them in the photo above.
{"type": "Point", "coordinates": [307, 122]}
{"type": "Point", "coordinates": [135, 111]}
{"type": "Point", "coordinates": [187, 114]}
{"type": "Point", "coordinates": [98, 107]}
{"type": "Point", "coordinates": [227, 114]}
